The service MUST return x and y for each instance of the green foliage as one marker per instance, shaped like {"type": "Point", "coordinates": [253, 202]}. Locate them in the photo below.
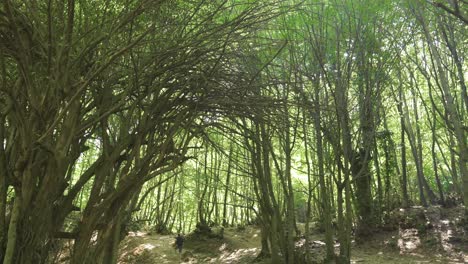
{"type": "Point", "coordinates": [177, 115]}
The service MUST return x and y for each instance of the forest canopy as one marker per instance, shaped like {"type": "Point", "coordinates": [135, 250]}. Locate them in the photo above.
{"type": "Point", "coordinates": [119, 115]}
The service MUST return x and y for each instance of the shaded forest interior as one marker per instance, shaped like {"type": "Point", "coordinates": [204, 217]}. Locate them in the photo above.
{"type": "Point", "coordinates": [342, 117]}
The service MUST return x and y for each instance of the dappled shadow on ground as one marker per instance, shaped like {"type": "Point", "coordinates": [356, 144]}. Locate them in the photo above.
{"type": "Point", "coordinates": [434, 230]}
{"type": "Point", "coordinates": [413, 235]}
{"type": "Point", "coordinates": [145, 249]}
{"type": "Point", "coordinates": [422, 235]}
{"type": "Point", "coordinates": [408, 240]}
{"type": "Point", "coordinates": [237, 246]}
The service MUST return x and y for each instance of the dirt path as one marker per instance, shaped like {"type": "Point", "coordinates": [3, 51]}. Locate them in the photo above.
{"type": "Point", "coordinates": [142, 248]}
{"type": "Point", "coordinates": [238, 246]}
{"type": "Point", "coordinates": [242, 246]}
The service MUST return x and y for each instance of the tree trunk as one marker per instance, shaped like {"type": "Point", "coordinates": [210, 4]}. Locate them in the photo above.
{"type": "Point", "coordinates": [419, 147]}
{"type": "Point", "coordinates": [414, 150]}
{"type": "Point", "coordinates": [435, 164]}
{"type": "Point", "coordinates": [309, 187]}
{"type": "Point", "coordinates": [454, 118]}
{"type": "Point", "coordinates": [346, 221]}
{"type": "Point", "coordinates": [201, 203]}
{"type": "Point", "coordinates": [12, 231]}
{"type": "Point", "coordinates": [226, 189]}
{"type": "Point", "coordinates": [380, 194]}
{"type": "Point", "coordinates": [3, 191]}
{"type": "Point", "coordinates": [404, 177]}
{"type": "Point", "coordinates": [325, 196]}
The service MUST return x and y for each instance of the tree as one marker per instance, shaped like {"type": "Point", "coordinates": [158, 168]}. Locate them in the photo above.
{"type": "Point", "coordinates": [115, 78]}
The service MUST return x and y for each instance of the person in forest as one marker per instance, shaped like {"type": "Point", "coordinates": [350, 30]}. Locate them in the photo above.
{"type": "Point", "coordinates": [179, 242]}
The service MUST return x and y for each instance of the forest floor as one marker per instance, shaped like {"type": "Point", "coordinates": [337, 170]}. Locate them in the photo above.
{"type": "Point", "coordinates": [423, 236]}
